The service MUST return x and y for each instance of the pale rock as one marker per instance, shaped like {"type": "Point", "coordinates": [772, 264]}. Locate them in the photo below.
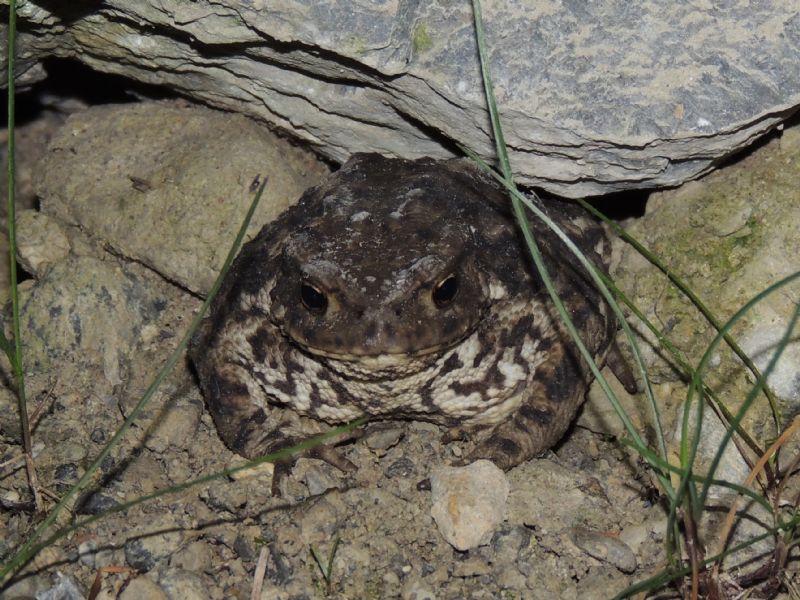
{"type": "Point", "coordinates": [468, 503]}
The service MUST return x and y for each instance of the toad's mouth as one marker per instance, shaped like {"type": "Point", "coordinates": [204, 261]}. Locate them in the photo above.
{"type": "Point", "coordinates": [382, 344]}
{"type": "Point", "coordinates": [380, 357]}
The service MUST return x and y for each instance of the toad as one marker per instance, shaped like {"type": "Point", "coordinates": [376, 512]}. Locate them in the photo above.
{"type": "Point", "coordinates": [403, 289]}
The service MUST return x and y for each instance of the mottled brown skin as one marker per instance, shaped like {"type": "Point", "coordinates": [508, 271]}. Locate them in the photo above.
{"type": "Point", "coordinates": [402, 289]}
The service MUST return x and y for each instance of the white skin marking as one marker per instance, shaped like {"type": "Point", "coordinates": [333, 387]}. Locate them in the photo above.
{"type": "Point", "coordinates": [455, 404]}
{"type": "Point", "coordinates": [468, 350]}
{"type": "Point", "coordinates": [512, 372]}
{"type": "Point", "coordinates": [497, 291]}
{"type": "Point", "coordinates": [359, 216]}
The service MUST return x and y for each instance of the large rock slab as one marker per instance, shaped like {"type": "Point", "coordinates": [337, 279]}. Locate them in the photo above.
{"type": "Point", "coordinates": [595, 97]}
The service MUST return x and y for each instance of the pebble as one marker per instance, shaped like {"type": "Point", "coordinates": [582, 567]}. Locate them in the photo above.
{"type": "Point", "coordinates": [195, 557]}
{"type": "Point", "coordinates": [471, 567]}
{"type": "Point", "coordinates": [380, 440]}
{"type": "Point", "coordinates": [142, 588]}
{"type": "Point", "coordinates": [64, 588]}
{"type": "Point", "coordinates": [402, 467]}
{"type": "Point", "coordinates": [96, 503]}
{"type": "Point", "coordinates": [87, 553]}
{"type": "Point", "coordinates": [67, 472]}
{"type": "Point", "coordinates": [650, 531]}
{"type": "Point", "coordinates": [416, 590]}
{"type": "Point", "coordinates": [145, 548]}
{"type": "Point", "coordinates": [41, 241]}
{"type": "Point", "coordinates": [184, 585]}
{"type": "Point", "coordinates": [72, 451]}
{"type": "Point", "coordinates": [507, 544]}
{"type": "Point", "coordinates": [469, 503]}
{"type": "Point", "coordinates": [605, 548]}
{"type": "Point", "coordinates": [319, 481]}
{"type": "Point", "coordinates": [177, 427]}
{"type": "Point", "coordinates": [139, 557]}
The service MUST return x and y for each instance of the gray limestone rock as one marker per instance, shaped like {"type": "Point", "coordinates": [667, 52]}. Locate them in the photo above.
{"type": "Point", "coordinates": [595, 97]}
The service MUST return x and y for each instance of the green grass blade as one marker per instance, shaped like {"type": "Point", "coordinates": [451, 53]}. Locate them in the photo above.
{"type": "Point", "coordinates": [653, 458]}
{"type": "Point", "coordinates": [761, 381]}
{"type": "Point", "coordinates": [665, 577]}
{"type": "Point", "coordinates": [16, 358]}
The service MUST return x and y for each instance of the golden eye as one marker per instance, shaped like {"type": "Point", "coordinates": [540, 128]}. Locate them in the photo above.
{"type": "Point", "coordinates": [445, 291]}
{"type": "Point", "coordinates": [313, 298]}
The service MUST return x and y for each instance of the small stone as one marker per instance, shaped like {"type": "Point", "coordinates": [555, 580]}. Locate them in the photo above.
{"type": "Point", "coordinates": [416, 590]}
{"type": "Point", "coordinates": [142, 588]}
{"type": "Point", "coordinates": [72, 451]}
{"type": "Point", "coordinates": [473, 566]}
{"type": "Point", "coordinates": [264, 469]}
{"type": "Point", "coordinates": [87, 553]}
{"type": "Point", "coordinates": [391, 579]}
{"type": "Point", "coordinates": [66, 472]}
{"type": "Point", "coordinates": [156, 542]}
{"type": "Point", "coordinates": [402, 467]}
{"type": "Point", "coordinates": [243, 547]}
{"type": "Point", "coordinates": [139, 557]}
{"type": "Point", "coordinates": [507, 544]}
{"type": "Point", "coordinates": [64, 588]}
{"type": "Point", "coordinates": [196, 557]}
{"type": "Point", "coordinates": [96, 503]}
{"type": "Point", "coordinates": [380, 440]}
{"type": "Point", "coordinates": [468, 503]}
{"type": "Point", "coordinates": [318, 481]}
{"type": "Point", "coordinates": [98, 436]}
{"type": "Point", "coordinates": [510, 578]}
{"type": "Point", "coordinates": [11, 496]}
{"type": "Point", "coordinates": [184, 585]}
{"type": "Point", "coordinates": [650, 531]}
{"type": "Point", "coordinates": [177, 428]}
{"type": "Point", "coordinates": [320, 521]}
{"type": "Point", "coordinates": [605, 548]}
{"type": "Point", "coordinates": [228, 498]}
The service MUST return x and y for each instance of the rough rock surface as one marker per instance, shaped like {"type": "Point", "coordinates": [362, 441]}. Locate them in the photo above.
{"type": "Point", "coordinates": [729, 236]}
{"type": "Point", "coordinates": [179, 178]}
{"type": "Point", "coordinates": [595, 97]}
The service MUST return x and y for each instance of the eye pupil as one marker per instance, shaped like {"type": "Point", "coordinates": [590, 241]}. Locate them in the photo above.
{"type": "Point", "coordinates": [313, 298]}
{"type": "Point", "coordinates": [445, 291]}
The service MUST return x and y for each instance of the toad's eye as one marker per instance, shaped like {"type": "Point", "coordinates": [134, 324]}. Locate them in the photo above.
{"type": "Point", "coordinates": [313, 298]}
{"type": "Point", "coordinates": [445, 291]}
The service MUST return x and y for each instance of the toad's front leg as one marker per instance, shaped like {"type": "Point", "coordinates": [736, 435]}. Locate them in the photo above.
{"type": "Point", "coordinates": [548, 406]}
{"type": "Point", "coordinates": [253, 430]}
